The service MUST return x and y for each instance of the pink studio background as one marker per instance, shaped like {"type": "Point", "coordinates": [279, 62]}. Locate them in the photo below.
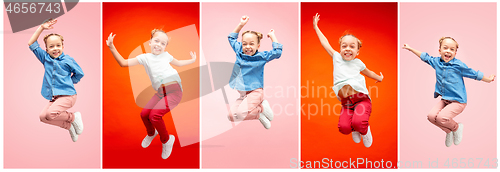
{"type": "Point", "coordinates": [248, 144]}
{"type": "Point", "coordinates": [29, 143]}
{"type": "Point", "coordinates": [473, 25]}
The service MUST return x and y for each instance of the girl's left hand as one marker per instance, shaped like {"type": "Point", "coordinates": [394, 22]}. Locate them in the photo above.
{"type": "Point", "coordinates": [193, 55]}
{"type": "Point", "coordinates": [271, 33]}
{"type": "Point", "coordinates": [381, 78]}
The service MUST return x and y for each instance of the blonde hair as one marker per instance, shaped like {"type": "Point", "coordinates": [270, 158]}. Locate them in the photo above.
{"type": "Point", "coordinates": [443, 38]}
{"type": "Point", "coordinates": [347, 34]}
{"type": "Point", "coordinates": [259, 35]}
{"type": "Point", "coordinates": [52, 34]}
{"type": "Point", "coordinates": [159, 30]}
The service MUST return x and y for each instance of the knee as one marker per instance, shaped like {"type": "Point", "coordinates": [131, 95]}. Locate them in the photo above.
{"type": "Point", "coordinates": [155, 115]}
{"type": "Point", "coordinates": [46, 116]}
{"type": "Point", "coordinates": [432, 116]}
{"type": "Point", "coordinates": [345, 128]}
{"type": "Point", "coordinates": [145, 113]}
{"type": "Point", "coordinates": [358, 124]}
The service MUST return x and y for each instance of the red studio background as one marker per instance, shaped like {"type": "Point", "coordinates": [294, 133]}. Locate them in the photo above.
{"type": "Point", "coordinates": [123, 129]}
{"type": "Point", "coordinates": [375, 24]}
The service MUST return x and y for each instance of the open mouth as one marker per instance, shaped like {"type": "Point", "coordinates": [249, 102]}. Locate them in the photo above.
{"type": "Point", "coordinates": [447, 56]}
{"type": "Point", "coordinates": [248, 52]}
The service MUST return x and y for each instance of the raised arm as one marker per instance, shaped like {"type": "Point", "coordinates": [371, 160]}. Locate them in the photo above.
{"type": "Point", "coordinates": [416, 52]}
{"type": "Point", "coordinates": [121, 61]}
{"type": "Point", "coordinates": [184, 62]}
{"type": "Point", "coordinates": [243, 21]}
{"type": "Point", "coordinates": [45, 26]}
{"type": "Point", "coordinates": [372, 75]}
{"type": "Point", "coordinates": [322, 38]}
{"type": "Point", "coordinates": [272, 36]}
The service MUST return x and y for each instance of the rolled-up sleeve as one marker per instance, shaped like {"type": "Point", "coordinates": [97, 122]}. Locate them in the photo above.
{"type": "Point", "coordinates": [275, 53]}
{"type": "Point", "coordinates": [233, 41]}
{"type": "Point", "coordinates": [39, 52]}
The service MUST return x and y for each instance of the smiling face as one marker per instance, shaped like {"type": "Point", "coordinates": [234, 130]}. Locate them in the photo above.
{"type": "Point", "coordinates": [448, 50]}
{"type": "Point", "coordinates": [250, 44]}
{"type": "Point", "coordinates": [158, 43]}
{"type": "Point", "coordinates": [54, 46]}
{"type": "Point", "coordinates": [349, 47]}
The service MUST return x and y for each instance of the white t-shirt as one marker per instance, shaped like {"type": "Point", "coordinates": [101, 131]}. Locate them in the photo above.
{"type": "Point", "coordinates": [159, 69]}
{"type": "Point", "coordinates": [348, 73]}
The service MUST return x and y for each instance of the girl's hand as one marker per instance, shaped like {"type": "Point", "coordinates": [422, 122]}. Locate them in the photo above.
{"type": "Point", "coordinates": [244, 20]}
{"type": "Point", "coordinates": [381, 77]}
{"type": "Point", "coordinates": [271, 33]}
{"type": "Point", "coordinates": [109, 42]}
{"type": "Point", "coordinates": [49, 24]}
{"type": "Point", "coordinates": [491, 78]}
{"type": "Point", "coordinates": [316, 19]}
{"type": "Point", "coordinates": [193, 55]}
{"type": "Point", "coordinates": [406, 46]}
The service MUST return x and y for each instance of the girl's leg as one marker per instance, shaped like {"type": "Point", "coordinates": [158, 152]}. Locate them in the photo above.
{"type": "Point", "coordinates": [55, 112]}
{"type": "Point", "coordinates": [171, 100]}
{"type": "Point", "coordinates": [235, 107]}
{"type": "Point", "coordinates": [345, 120]}
{"type": "Point", "coordinates": [445, 117]}
{"type": "Point", "coordinates": [433, 115]}
{"type": "Point", "coordinates": [145, 113]}
{"type": "Point", "coordinates": [362, 112]}
{"type": "Point", "coordinates": [254, 101]}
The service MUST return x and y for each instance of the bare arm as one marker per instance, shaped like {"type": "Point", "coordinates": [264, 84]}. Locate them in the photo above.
{"type": "Point", "coordinates": [121, 61]}
{"type": "Point", "coordinates": [322, 38]}
{"type": "Point", "coordinates": [416, 52]}
{"type": "Point", "coordinates": [372, 75]}
{"type": "Point", "coordinates": [45, 26]}
{"type": "Point", "coordinates": [243, 21]}
{"type": "Point", "coordinates": [185, 62]}
{"type": "Point", "coordinates": [488, 79]}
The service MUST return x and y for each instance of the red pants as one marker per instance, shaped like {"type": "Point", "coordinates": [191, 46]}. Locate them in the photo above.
{"type": "Point", "coordinates": [356, 110]}
{"type": "Point", "coordinates": [153, 112]}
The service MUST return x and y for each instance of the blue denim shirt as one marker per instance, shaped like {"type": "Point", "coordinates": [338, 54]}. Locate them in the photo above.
{"type": "Point", "coordinates": [449, 77]}
{"type": "Point", "coordinates": [60, 73]}
{"type": "Point", "coordinates": [248, 71]}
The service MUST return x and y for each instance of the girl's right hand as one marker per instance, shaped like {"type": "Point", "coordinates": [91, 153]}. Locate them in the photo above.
{"type": "Point", "coordinates": [406, 46]}
{"type": "Point", "coordinates": [109, 42]}
{"type": "Point", "coordinates": [244, 20]}
{"type": "Point", "coordinates": [316, 19]}
{"type": "Point", "coordinates": [48, 24]}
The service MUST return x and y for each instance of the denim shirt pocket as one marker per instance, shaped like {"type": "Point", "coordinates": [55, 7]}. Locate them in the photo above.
{"type": "Point", "coordinates": [452, 75]}
{"type": "Point", "coordinates": [61, 69]}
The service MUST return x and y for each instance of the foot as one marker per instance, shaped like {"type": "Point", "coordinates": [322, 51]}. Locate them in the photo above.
{"type": "Point", "coordinates": [263, 119]}
{"type": "Point", "coordinates": [73, 134]}
{"type": "Point", "coordinates": [449, 139]}
{"type": "Point", "coordinates": [147, 140]}
{"type": "Point", "coordinates": [267, 111]}
{"type": "Point", "coordinates": [78, 123]}
{"type": "Point", "coordinates": [356, 136]}
{"type": "Point", "coordinates": [457, 135]}
{"type": "Point", "coordinates": [367, 138]}
{"type": "Point", "coordinates": [167, 147]}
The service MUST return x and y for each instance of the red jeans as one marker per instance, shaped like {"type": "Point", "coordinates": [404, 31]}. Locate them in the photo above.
{"type": "Point", "coordinates": [153, 112]}
{"type": "Point", "coordinates": [356, 110]}
{"type": "Point", "coordinates": [55, 112]}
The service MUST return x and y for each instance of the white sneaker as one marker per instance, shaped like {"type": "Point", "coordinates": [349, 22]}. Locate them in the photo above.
{"type": "Point", "coordinates": [78, 123]}
{"type": "Point", "coordinates": [148, 139]}
{"type": "Point", "coordinates": [73, 134]}
{"type": "Point", "coordinates": [356, 136]}
{"type": "Point", "coordinates": [167, 147]}
{"type": "Point", "coordinates": [367, 138]}
{"type": "Point", "coordinates": [457, 135]}
{"type": "Point", "coordinates": [267, 111]}
{"type": "Point", "coordinates": [263, 119]}
{"type": "Point", "coordinates": [449, 139]}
